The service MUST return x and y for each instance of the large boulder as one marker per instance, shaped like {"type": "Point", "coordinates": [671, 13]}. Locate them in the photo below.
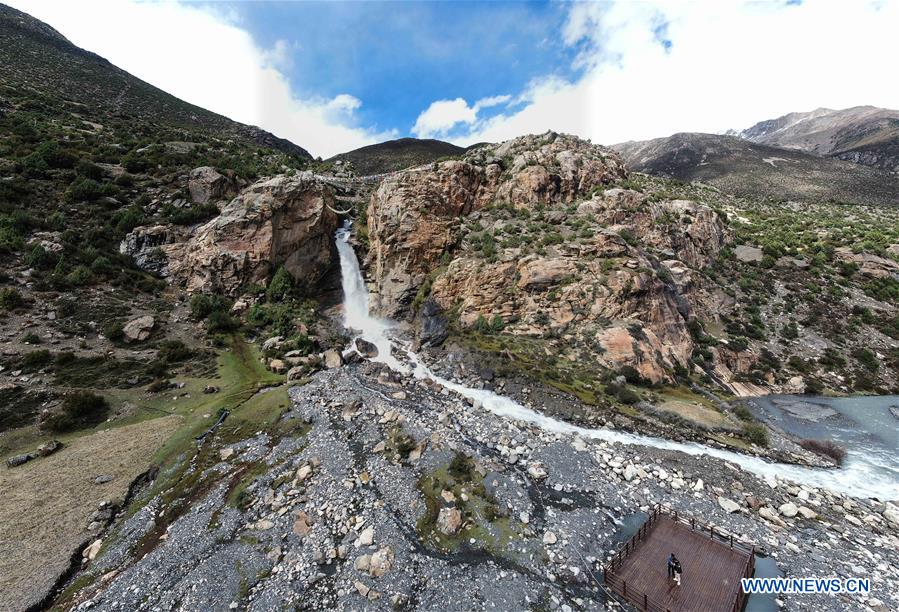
{"type": "Point", "coordinates": [139, 329]}
{"type": "Point", "coordinates": [207, 185]}
{"type": "Point", "coordinates": [284, 221]}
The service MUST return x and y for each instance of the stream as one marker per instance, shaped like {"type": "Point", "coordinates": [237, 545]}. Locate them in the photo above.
{"type": "Point", "coordinates": [855, 478]}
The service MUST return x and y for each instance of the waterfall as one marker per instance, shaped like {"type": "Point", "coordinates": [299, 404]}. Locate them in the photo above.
{"type": "Point", "coordinates": [356, 315]}
{"type": "Point", "coordinates": [856, 478]}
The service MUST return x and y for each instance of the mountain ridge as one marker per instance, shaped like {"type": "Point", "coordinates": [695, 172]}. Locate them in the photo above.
{"type": "Point", "coordinates": [867, 135]}
{"type": "Point", "coordinates": [747, 168]}
{"type": "Point", "coordinates": [398, 154]}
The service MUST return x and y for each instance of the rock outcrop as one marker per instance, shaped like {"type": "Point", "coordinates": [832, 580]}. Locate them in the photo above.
{"type": "Point", "coordinates": [414, 217]}
{"type": "Point", "coordinates": [207, 185]}
{"type": "Point", "coordinates": [283, 221]}
{"type": "Point", "coordinates": [531, 236]}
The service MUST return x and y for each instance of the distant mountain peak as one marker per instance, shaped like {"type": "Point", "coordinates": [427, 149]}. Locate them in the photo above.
{"type": "Point", "coordinates": [863, 134]}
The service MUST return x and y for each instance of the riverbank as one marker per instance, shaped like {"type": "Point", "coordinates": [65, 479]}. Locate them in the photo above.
{"type": "Point", "coordinates": [345, 516]}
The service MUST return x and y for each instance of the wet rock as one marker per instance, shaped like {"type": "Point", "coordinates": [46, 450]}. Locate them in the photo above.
{"type": "Point", "coordinates": [90, 553]}
{"type": "Point", "coordinates": [433, 324]}
{"type": "Point", "coordinates": [366, 348]}
{"type": "Point", "coordinates": [302, 524]}
{"type": "Point", "coordinates": [748, 253]}
{"type": "Point", "coordinates": [449, 520]}
{"type": "Point", "coordinates": [275, 342]}
{"type": "Point", "coordinates": [630, 472]}
{"type": "Point", "coordinates": [282, 221]}
{"type": "Point", "coordinates": [367, 537]}
{"type": "Point", "coordinates": [807, 512]}
{"type": "Point", "coordinates": [296, 373]}
{"type": "Point", "coordinates": [891, 514]}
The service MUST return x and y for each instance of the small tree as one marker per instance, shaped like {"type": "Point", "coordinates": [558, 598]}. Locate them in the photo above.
{"type": "Point", "coordinates": [281, 286]}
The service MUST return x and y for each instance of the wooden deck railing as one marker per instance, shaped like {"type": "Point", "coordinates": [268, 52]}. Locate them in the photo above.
{"type": "Point", "coordinates": [642, 600]}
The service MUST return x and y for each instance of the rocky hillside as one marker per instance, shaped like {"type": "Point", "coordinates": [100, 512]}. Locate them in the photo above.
{"type": "Point", "coordinates": [43, 66]}
{"type": "Point", "coordinates": [744, 168]}
{"type": "Point", "coordinates": [545, 250]}
{"type": "Point", "coordinates": [864, 134]}
{"type": "Point", "coordinates": [397, 154]}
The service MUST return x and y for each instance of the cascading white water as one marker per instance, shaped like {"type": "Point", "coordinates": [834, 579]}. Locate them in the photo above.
{"type": "Point", "coordinates": [356, 316]}
{"type": "Point", "coordinates": [854, 478]}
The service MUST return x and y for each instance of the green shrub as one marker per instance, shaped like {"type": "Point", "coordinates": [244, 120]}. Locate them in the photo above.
{"type": "Point", "coordinates": [204, 304]}
{"type": "Point", "coordinates": [867, 359]}
{"type": "Point", "coordinates": [31, 338]}
{"type": "Point", "coordinates": [631, 375]}
{"type": "Point", "coordinates": [114, 330]}
{"type": "Point", "coordinates": [622, 393]}
{"type": "Point", "coordinates": [462, 467]}
{"type": "Point", "coordinates": [192, 215]}
{"type": "Point", "coordinates": [281, 286]}
{"type": "Point", "coordinates": [79, 410]}
{"type": "Point", "coordinates": [84, 190]}
{"type": "Point", "coordinates": [88, 169]}
{"type": "Point", "coordinates": [80, 276]}
{"type": "Point", "coordinates": [756, 433]}
{"type": "Point", "coordinates": [36, 359]}
{"type": "Point", "coordinates": [56, 156]}
{"type": "Point", "coordinates": [743, 413]}
{"type": "Point", "coordinates": [174, 351]}
{"type": "Point", "coordinates": [220, 321]}
{"type": "Point", "coordinates": [127, 219]}
{"type": "Point", "coordinates": [10, 299]}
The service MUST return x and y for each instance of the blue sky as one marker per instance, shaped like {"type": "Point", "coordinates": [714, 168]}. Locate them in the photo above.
{"type": "Point", "coordinates": [335, 76]}
{"type": "Point", "coordinates": [399, 57]}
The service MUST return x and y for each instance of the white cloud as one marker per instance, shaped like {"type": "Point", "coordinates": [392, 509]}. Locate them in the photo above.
{"type": "Point", "coordinates": [491, 101]}
{"type": "Point", "coordinates": [729, 65]}
{"type": "Point", "coordinates": [202, 55]}
{"type": "Point", "coordinates": [442, 116]}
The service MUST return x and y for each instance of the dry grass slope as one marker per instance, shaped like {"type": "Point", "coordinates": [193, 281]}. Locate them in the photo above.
{"type": "Point", "coordinates": [47, 503]}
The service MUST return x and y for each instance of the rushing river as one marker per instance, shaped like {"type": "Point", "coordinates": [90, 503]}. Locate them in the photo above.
{"type": "Point", "coordinates": [855, 478]}
{"type": "Point", "coordinates": [864, 426]}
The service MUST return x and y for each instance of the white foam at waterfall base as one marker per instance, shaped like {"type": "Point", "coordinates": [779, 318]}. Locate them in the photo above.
{"type": "Point", "coordinates": [856, 478]}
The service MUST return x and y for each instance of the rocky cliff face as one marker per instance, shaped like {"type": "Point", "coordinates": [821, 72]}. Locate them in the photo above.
{"type": "Point", "coordinates": [283, 221]}
{"type": "Point", "coordinates": [530, 236]}
{"type": "Point", "coordinates": [414, 217]}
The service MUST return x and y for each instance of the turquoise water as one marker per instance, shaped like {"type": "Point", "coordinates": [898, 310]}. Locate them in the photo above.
{"type": "Point", "coordinates": [765, 567]}
{"type": "Point", "coordinates": [864, 426]}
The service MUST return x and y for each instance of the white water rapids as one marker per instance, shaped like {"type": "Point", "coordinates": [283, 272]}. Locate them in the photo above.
{"type": "Point", "coordinates": [854, 478]}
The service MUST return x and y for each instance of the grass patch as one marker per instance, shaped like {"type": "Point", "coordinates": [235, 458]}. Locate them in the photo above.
{"type": "Point", "coordinates": [483, 520]}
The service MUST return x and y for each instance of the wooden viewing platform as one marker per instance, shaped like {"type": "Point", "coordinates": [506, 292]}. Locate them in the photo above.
{"type": "Point", "coordinates": [712, 563]}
